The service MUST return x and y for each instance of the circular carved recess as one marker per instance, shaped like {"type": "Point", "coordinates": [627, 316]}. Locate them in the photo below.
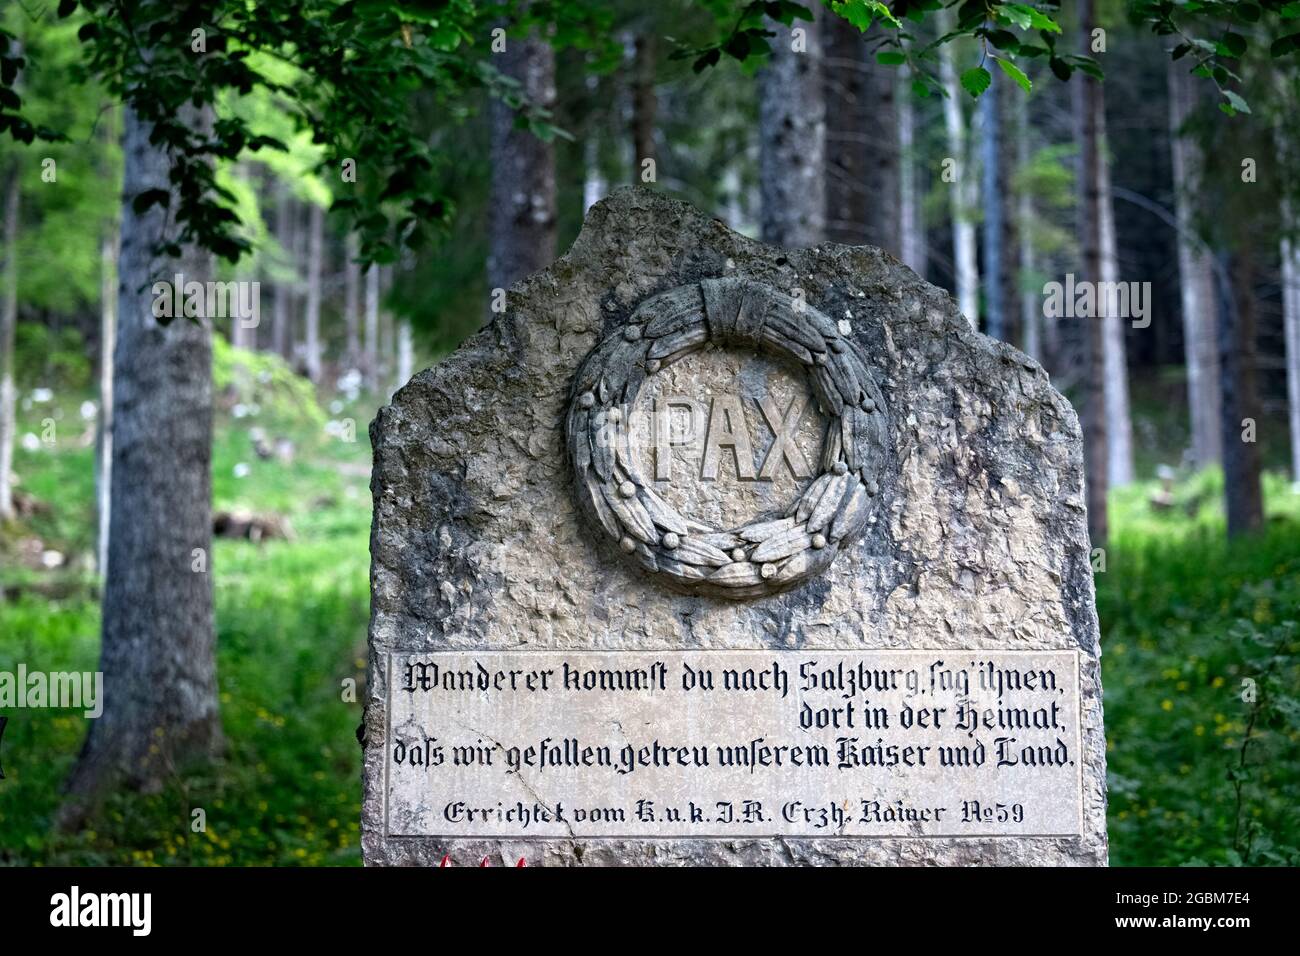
{"type": "Point", "coordinates": [607, 442]}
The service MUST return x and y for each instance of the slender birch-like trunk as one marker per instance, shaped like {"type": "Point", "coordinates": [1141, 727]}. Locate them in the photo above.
{"type": "Point", "coordinates": [1291, 322]}
{"type": "Point", "coordinates": [370, 364]}
{"type": "Point", "coordinates": [1119, 421]}
{"type": "Point", "coordinates": [315, 257]}
{"type": "Point", "coordinates": [963, 195]}
{"type": "Point", "coordinates": [8, 328]}
{"type": "Point", "coordinates": [1195, 279]}
{"type": "Point", "coordinates": [352, 302]}
{"type": "Point", "coordinates": [104, 436]}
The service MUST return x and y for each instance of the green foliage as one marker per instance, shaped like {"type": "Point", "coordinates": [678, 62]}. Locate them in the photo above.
{"type": "Point", "coordinates": [68, 188]}
{"type": "Point", "coordinates": [863, 13]}
{"type": "Point", "coordinates": [1013, 29]}
{"type": "Point", "coordinates": [747, 38]}
{"type": "Point", "coordinates": [356, 65]}
{"type": "Point", "coordinates": [1017, 31]}
{"type": "Point", "coordinates": [291, 624]}
{"type": "Point", "coordinates": [291, 621]}
{"type": "Point", "coordinates": [1026, 17]}
{"type": "Point", "coordinates": [976, 80]}
{"type": "Point", "coordinates": [264, 381]}
{"type": "Point", "coordinates": [1013, 71]}
{"type": "Point", "coordinates": [46, 357]}
{"type": "Point", "coordinates": [1199, 29]}
{"type": "Point", "coordinates": [1198, 774]}
{"type": "Point", "coordinates": [60, 475]}
{"type": "Point", "coordinates": [1191, 626]}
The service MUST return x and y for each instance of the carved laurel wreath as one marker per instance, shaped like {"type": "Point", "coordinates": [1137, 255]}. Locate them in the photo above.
{"type": "Point", "coordinates": [760, 558]}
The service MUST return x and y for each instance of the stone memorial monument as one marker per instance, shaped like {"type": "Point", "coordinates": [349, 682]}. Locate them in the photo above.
{"type": "Point", "coordinates": [710, 552]}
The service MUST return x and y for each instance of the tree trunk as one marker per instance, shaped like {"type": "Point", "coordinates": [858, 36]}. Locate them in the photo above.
{"type": "Point", "coordinates": [521, 228]}
{"type": "Point", "coordinates": [1241, 419]}
{"type": "Point", "coordinates": [1119, 422]}
{"type": "Point", "coordinates": [370, 364]}
{"type": "Point", "coordinates": [387, 338]}
{"type": "Point", "coordinates": [315, 254]}
{"type": "Point", "coordinates": [281, 335]}
{"type": "Point", "coordinates": [991, 170]}
{"type": "Point", "coordinates": [301, 233]}
{"type": "Point", "coordinates": [8, 328]}
{"type": "Point", "coordinates": [351, 301]}
{"type": "Point", "coordinates": [108, 251]}
{"type": "Point", "coordinates": [104, 437]}
{"type": "Point", "coordinates": [1289, 263]}
{"type": "Point", "coordinates": [1011, 100]}
{"type": "Point", "coordinates": [845, 140]}
{"type": "Point", "coordinates": [157, 654]}
{"type": "Point", "coordinates": [1087, 111]}
{"type": "Point", "coordinates": [1291, 324]}
{"type": "Point", "coordinates": [593, 183]}
{"type": "Point", "coordinates": [644, 103]}
{"type": "Point", "coordinates": [792, 137]}
{"type": "Point", "coordinates": [1031, 310]}
{"type": "Point", "coordinates": [240, 335]}
{"type": "Point", "coordinates": [911, 223]}
{"type": "Point", "coordinates": [405, 353]}
{"type": "Point", "coordinates": [963, 195]}
{"type": "Point", "coordinates": [862, 187]}
{"type": "Point", "coordinates": [1196, 279]}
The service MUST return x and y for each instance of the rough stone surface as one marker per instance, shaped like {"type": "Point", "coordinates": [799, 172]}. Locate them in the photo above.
{"type": "Point", "coordinates": [980, 540]}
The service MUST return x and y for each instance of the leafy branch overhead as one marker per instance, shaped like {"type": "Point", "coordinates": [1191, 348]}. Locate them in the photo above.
{"type": "Point", "coordinates": [1215, 32]}
{"type": "Point", "coordinates": [345, 71]}
{"type": "Point", "coordinates": [1005, 31]}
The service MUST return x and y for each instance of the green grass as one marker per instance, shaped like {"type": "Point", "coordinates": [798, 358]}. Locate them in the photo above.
{"type": "Point", "coordinates": [1186, 618]}
{"type": "Point", "coordinates": [291, 622]}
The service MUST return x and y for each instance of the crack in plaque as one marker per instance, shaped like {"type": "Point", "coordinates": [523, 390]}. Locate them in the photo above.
{"type": "Point", "coordinates": [573, 837]}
